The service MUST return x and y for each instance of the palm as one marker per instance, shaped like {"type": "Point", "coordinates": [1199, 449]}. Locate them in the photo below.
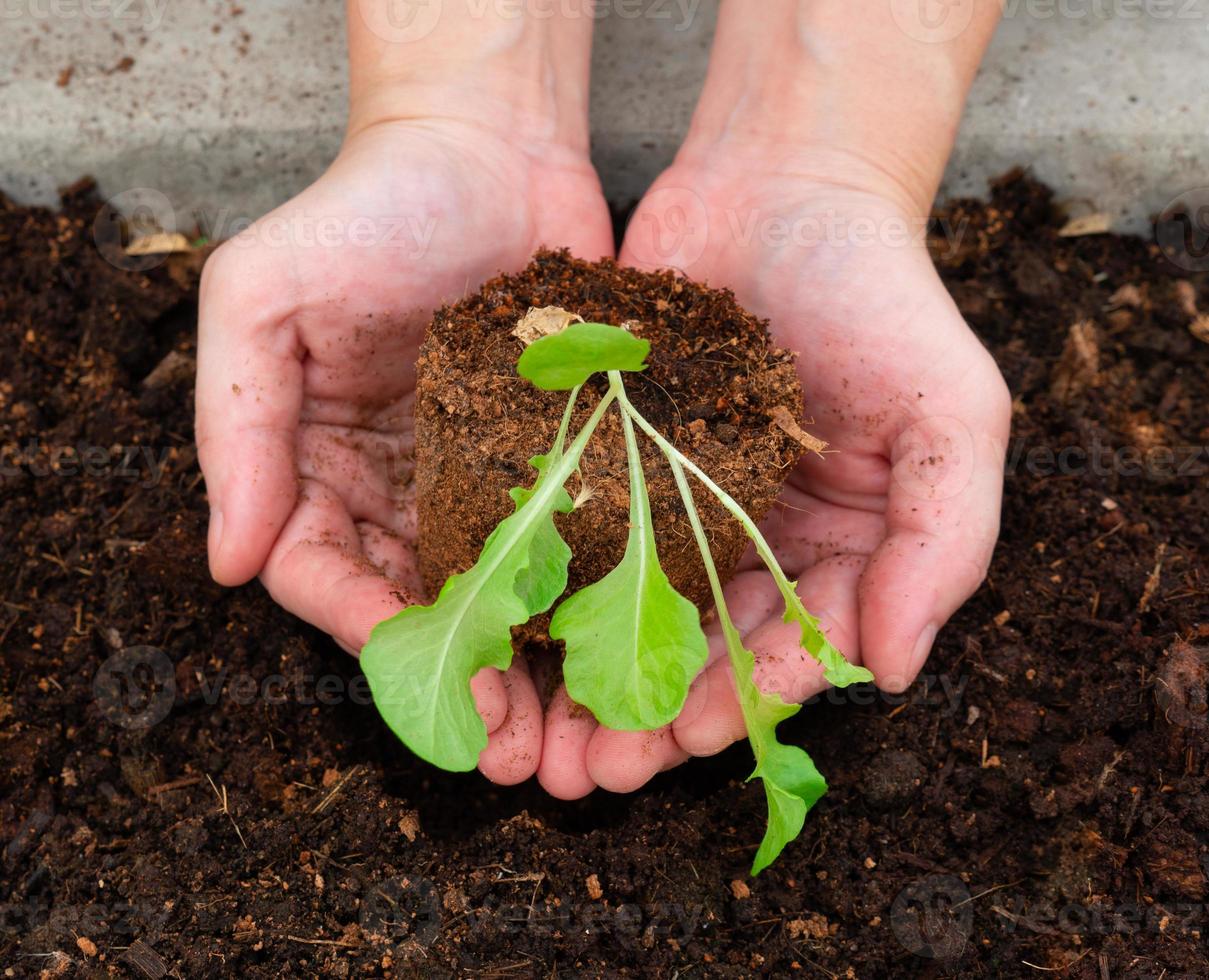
{"type": "Point", "coordinates": [886, 535]}
{"type": "Point", "coordinates": [310, 327]}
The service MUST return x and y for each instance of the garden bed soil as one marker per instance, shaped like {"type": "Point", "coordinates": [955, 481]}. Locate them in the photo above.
{"type": "Point", "coordinates": [713, 383]}
{"type": "Point", "coordinates": [1036, 805]}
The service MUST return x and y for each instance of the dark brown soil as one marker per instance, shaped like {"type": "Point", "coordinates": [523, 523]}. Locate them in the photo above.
{"type": "Point", "coordinates": [712, 381]}
{"type": "Point", "coordinates": [1036, 806]}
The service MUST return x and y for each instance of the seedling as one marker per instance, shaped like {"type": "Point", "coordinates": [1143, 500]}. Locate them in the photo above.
{"type": "Point", "coordinates": [633, 643]}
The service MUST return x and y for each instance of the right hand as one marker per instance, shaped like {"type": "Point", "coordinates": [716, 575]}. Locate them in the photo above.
{"type": "Point", "coordinates": [310, 322]}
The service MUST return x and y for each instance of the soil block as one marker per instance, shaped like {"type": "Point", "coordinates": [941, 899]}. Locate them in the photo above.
{"type": "Point", "coordinates": [712, 385]}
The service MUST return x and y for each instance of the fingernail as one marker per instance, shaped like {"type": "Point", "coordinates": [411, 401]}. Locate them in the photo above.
{"type": "Point", "coordinates": [923, 646]}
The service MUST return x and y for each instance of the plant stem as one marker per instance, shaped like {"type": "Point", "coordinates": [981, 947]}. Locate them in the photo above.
{"type": "Point", "coordinates": [734, 642]}
{"type": "Point", "coordinates": [784, 586]}
{"type": "Point", "coordinates": [557, 449]}
{"type": "Point", "coordinates": [640, 505]}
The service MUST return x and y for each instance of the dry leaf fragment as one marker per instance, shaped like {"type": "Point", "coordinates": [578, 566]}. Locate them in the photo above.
{"type": "Point", "coordinates": [784, 420]}
{"type": "Point", "coordinates": [542, 321]}
{"type": "Point", "coordinates": [1079, 366]}
{"type": "Point", "coordinates": [1127, 295]}
{"type": "Point", "coordinates": [1185, 295]}
{"type": "Point", "coordinates": [1096, 223]}
{"type": "Point", "coordinates": [1199, 327]}
{"type": "Point", "coordinates": [159, 244]}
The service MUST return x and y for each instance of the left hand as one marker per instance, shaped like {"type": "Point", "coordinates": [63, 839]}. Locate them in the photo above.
{"type": "Point", "coordinates": [892, 531]}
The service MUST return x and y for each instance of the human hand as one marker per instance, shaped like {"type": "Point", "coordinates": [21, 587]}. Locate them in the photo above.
{"type": "Point", "coordinates": [892, 531]}
{"type": "Point", "coordinates": [310, 322]}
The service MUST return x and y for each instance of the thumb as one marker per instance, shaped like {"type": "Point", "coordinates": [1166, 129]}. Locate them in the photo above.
{"type": "Point", "coordinates": [249, 397]}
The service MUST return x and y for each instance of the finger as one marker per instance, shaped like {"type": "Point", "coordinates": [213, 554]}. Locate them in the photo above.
{"type": "Point", "coordinates": [317, 571]}
{"type": "Point", "coordinates": [942, 519]}
{"type": "Point", "coordinates": [490, 697]}
{"type": "Point", "coordinates": [751, 597]}
{"type": "Point", "coordinates": [391, 553]}
{"type": "Point", "coordinates": [621, 762]}
{"type": "Point", "coordinates": [711, 719]}
{"type": "Point", "coordinates": [569, 727]}
{"type": "Point", "coordinates": [514, 749]}
{"type": "Point", "coordinates": [803, 528]}
{"type": "Point", "coordinates": [249, 394]}
{"type": "Point", "coordinates": [368, 471]}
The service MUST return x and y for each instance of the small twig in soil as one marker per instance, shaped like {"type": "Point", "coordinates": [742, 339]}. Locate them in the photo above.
{"type": "Point", "coordinates": [224, 808]}
{"type": "Point", "coordinates": [1057, 969]}
{"type": "Point", "coordinates": [322, 804]}
{"type": "Point", "coordinates": [1152, 581]}
{"type": "Point", "coordinates": [993, 888]}
{"type": "Point", "coordinates": [344, 943]}
{"type": "Point", "coordinates": [172, 784]}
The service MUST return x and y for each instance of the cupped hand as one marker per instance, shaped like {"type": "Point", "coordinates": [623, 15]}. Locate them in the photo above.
{"type": "Point", "coordinates": [310, 322]}
{"type": "Point", "coordinates": [888, 533]}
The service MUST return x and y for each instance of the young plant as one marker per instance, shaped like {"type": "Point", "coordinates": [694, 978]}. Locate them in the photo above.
{"type": "Point", "coordinates": [633, 643]}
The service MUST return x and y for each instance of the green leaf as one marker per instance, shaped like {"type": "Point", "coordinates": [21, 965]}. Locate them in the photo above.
{"type": "Point", "coordinates": [634, 644]}
{"type": "Point", "coordinates": [792, 784]}
{"type": "Point", "coordinates": [838, 671]}
{"type": "Point", "coordinates": [563, 360]}
{"type": "Point", "coordinates": [420, 661]}
{"type": "Point", "coordinates": [544, 578]}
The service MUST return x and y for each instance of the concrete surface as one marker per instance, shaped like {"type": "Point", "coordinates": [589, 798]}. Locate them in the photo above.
{"type": "Point", "coordinates": [228, 115]}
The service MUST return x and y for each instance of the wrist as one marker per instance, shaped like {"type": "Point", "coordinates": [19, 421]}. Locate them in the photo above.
{"type": "Point", "coordinates": [492, 66]}
{"type": "Point", "coordinates": [840, 93]}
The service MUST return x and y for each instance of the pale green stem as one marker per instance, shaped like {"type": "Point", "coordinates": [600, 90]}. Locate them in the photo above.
{"type": "Point", "coordinates": [762, 548]}
{"type": "Point", "coordinates": [640, 505]}
{"type": "Point", "coordinates": [566, 423]}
